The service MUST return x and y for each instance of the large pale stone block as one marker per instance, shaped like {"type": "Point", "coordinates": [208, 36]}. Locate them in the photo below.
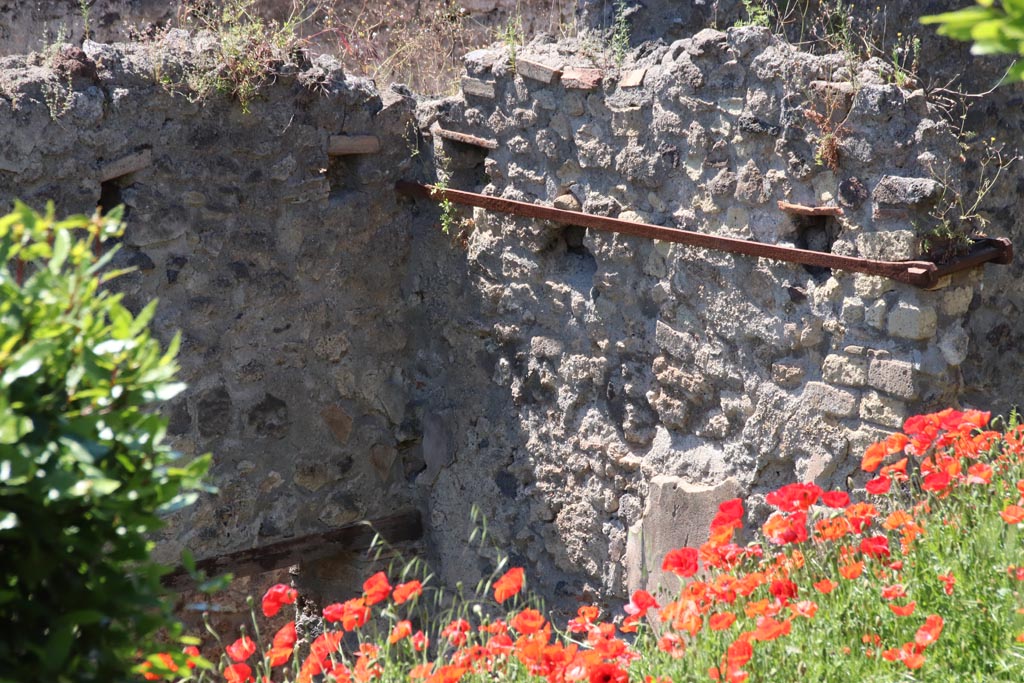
{"type": "Point", "coordinates": [677, 514]}
{"type": "Point", "coordinates": [912, 322]}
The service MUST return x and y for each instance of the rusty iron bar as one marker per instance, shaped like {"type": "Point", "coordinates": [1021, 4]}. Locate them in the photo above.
{"type": "Point", "coordinates": [466, 138]}
{"type": "Point", "coordinates": [405, 526]}
{"type": "Point", "coordinates": [918, 273]}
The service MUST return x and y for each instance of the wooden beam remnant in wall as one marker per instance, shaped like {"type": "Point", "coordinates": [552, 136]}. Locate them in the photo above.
{"type": "Point", "coordinates": [126, 165]}
{"type": "Point", "coordinates": [341, 145]}
{"type": "Point", "coordinates": [801, 210]}
{"type": "Point", "coordinates": [464, 138]}
{"type": "Point", "coordinates": [404, 526]}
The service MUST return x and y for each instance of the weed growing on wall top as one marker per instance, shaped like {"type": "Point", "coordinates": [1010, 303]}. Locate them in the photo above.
{"type": "Point", "coordinates": [84, 472]}
{"type": "Point", "coordinates": [249, 49]}
{"type": "Point", "coordinates": [620, 33]}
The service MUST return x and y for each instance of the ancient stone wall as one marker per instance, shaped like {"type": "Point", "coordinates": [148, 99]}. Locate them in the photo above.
{"type": "Point", "coordinates": [593, 395]}
{"type": "Point", "coordinates": [284, 269]}
{"type": "Point", "coordinates": [643, 377]}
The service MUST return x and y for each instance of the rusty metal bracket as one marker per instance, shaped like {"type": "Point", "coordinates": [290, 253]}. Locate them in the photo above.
{"type": "Point", "coordinates": [918, 273]}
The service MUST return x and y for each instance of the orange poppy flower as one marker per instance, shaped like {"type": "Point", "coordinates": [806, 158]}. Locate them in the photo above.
{"type": "Point", "coordinates": [825, 586]}
{"type": "Point", "coordinates": [805, 608]}
{"type": "Point", "coordinates": [1012, 514]}
{"type": "Point", "coordinates": [770, 629]}
{"type": "Point", "coordinates": [873, 457]}
{"type": "Point", "coordinates": [238, 673]}
{"type": "Point", "coordinates": [401, 630]}
{"type": "Point", "coordinates": [851, 570]}
{"type": "Point", "coordinates": [528, 621]}
{"type": "Point", "coordinates": [721, 621]}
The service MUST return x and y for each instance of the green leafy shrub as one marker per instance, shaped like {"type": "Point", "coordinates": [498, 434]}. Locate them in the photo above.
{"type": "Point", "coordinates": [84, 474]}
{"type": "Point", "coordinates": [993, 29]}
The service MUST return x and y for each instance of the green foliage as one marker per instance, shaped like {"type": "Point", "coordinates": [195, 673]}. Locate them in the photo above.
{"type": "Point", "coordinates": [83, 470]}
{"type": "Point", "coordinates": [993, 29]}
{"type": "Point", "coordinates": [512, 35]}
{"type": "Point", "coordinates": [620, 32]}
{"type": "Point", "coordinates": [757, 14]}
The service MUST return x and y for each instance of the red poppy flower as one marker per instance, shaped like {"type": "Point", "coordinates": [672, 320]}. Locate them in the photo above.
{"type": "Point", "coordinates": [875, 546]}
{"type": "Point", "coordinates": [376, 588]}
{"type": "Point", "coordinates": [639, 603]}
{"type": "Point", "coordinates": [673, 644]}
{"type": "Point", "coordinates": [783, 589]}
{"type": "Point", "coordinates": [276, 656]}
{"type": "Point", "coordinates": [835, 499]}
{"type": "Point", "coordinates": [825, 586]}
{"type": "Point", "coordinates": [730, 514]}
{"type": "Point", "coordinates": [832, 528]}
{"type": "Point", "coordinates": [786, 528]}
{"type": "Point", "coordinates": [191, 651]}
{"type": "Point", "coordinates": [352, 613]}
{"type": "Point", "coordinates": [456, 631]}
{"type": "Point", "coordinates": [682, 562]}
{"type": "Point", "coordinates": [509, 584]}
{"type": "Point", "coordinates": [936, 481]}
{"type": "Point", "coordinates": [286, 635]}
{"type": "Point", "coordinates": [608, 673]}
{"type": "Point", "coordinates": [406, 591]}
{"type": "Point", "coordinates": [878, 486]}
{"type": "Point", "coordinates": [903, 610]}
{"type": "Point", "coordinates": [276, 596]}
{"type": "Point", "coordinates": [794, 497]}
{"type": "Point", "coordinates": [241, 649]}
{"type": "Point", "coordinates": [897, 590]}
{"type": "Point", "coordinates": [948, 581]}
{"type": "Point", "coordinates": [929, 633]}
{"type": "Point", "coordinates": [238, 673]}
{"type": "Point", "coordinates": [585, 617]}
{"type": "Point", "coordinates": [738, 653]}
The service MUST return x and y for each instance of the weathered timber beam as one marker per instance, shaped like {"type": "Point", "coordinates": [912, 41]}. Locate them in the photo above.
{"type": "Point", "coordinates": [126, 165]}
{"type": "Point", "coordinates": [801, 210]}
{"type": "Point", "coordinates": [465, 138]}
{"type": "Point", "coordinates": [341, 145]}
{"type": "Point", "coordinates": [405, 526]}
{"type": "Point", "coordinates": [918, 273]}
